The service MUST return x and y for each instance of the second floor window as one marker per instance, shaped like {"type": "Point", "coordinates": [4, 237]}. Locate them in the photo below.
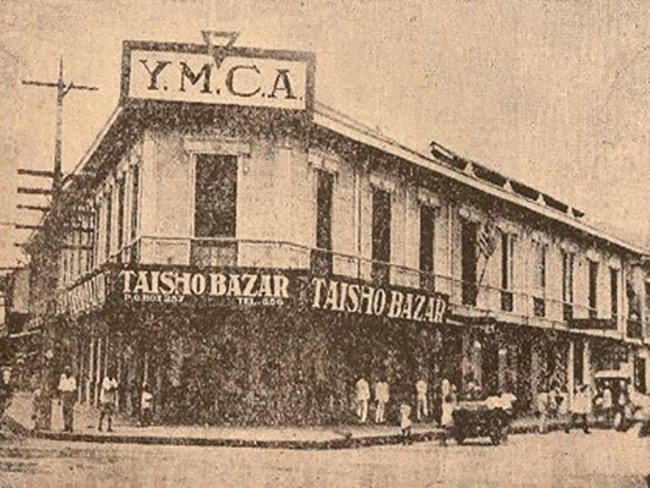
{"type": "Point", "coordinates": [427, 233]}
{"type": "Point", "coordinates": [593, 289]}
{"type": "Point", "coordinates": [613, 289]}
{"type": "Point", "coordinates": [215, 196]}
{"type": "Point", "coordinates": [567, 277]}
{"type": "Point", "coordinates": [507, 254]}
{"type": "Point", "coordinates": [507, 248]}
{"type": "Point", "coordinates": [381, 221]}
{"type": "Point", "coordinates": [324, 186]}
{"type": "Point", "coordinates": [539, 269]}
{"type": "Point", "coordinates": [121, 200]}
{"type": "Point", "coordinates": [108, 222]}
{"type": "Point", "coordinates": [469, 262]}
{"type": "Point", "coordinates": [135, 200]}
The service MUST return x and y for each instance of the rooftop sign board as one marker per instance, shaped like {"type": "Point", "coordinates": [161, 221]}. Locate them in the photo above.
{"type": "Point", "coordinates": [190, 73]}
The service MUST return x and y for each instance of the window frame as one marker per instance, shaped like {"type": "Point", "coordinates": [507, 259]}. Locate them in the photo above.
{"type": "Point", "coordinates": [193, 164]}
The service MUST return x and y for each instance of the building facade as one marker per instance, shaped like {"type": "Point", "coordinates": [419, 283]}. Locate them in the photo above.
{"type": "Point", "coordinates": [250, 258]}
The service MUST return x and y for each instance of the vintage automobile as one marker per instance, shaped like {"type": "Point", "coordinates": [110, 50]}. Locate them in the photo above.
{"type": "Point", "coordinates": [637, 408]}
{"type": "Point", "coordinates": [479, 419]}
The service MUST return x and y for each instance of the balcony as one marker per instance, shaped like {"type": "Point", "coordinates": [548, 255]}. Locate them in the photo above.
{"type": "Point", "coordinates": [466, 298]}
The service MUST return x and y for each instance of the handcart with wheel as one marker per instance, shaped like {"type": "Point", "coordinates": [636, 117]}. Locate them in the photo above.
{"type": "Point", "coordinates": [475, 419]}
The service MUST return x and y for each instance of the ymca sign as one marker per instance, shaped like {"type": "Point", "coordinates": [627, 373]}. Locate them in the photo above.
{"type": "Point", "coordinates": [189, 73]}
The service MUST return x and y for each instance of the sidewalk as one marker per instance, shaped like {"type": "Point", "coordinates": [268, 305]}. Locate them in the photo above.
{"type": "Point", "coordinates": [18, 419]}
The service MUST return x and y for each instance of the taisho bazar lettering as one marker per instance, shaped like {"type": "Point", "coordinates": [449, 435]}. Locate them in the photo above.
{"type": "Point", "coordinates": [341, 296]}
{"type": "Point", "coordinates": [85, 296]}
{"type": "Point", "coordinates": [238, 285]}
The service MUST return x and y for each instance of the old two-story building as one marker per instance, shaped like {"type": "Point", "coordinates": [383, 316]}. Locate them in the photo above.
{"type": "Point", "coordinates": [250, 253]}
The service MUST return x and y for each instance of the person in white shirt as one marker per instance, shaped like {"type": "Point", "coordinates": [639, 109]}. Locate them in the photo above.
{"type": "Point", "coordinates": [68, 396]}
{"type": "Point", "coordinates": [580, 408]}
{"type": "Point", "coordinates": [447, 418]}
{"type": "Point", "coordinates": [363, 395]}
{"type": "Point", "coordinates": [542, 410]}
{"type": "Point", "coordinates": [146, 406]}
{"type": "Point", "coordinates": [405, 422]}
{"type": "Point", "coordinates": [381, 396]}
{"type": "Point", "coordinates": [422, 405]}
{"type": "Point", "coordinates": [607, 404]}
{"type": "Point", "coordinates": [107, 398]}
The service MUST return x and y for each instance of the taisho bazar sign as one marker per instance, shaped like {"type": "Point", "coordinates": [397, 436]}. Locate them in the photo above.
{"type": "Point", "coordinates": [217, 287]}
{"type": "Point", "coordinates": [188, 73]}
{"type": "Point", "coordinates": [85, 296]}
{"type": "Point", "coordinates": [360, 298]}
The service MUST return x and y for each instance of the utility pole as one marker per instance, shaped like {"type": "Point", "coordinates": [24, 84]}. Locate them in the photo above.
{"type": "Point", "coordinates": [62, 89]}
{"type": "Point", "coordinates": [53, 235]}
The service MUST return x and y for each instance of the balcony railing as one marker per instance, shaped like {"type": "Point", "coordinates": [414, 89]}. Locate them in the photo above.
{"type": "Point", "coordinates": [465, 297]}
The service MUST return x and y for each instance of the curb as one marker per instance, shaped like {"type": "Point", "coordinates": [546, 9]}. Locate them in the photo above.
{"type": "Point", "coordinates": [346, 442]}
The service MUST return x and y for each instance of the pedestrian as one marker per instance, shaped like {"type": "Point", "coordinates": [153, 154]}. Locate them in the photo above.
{"type": "Point", "coordinates": [67, 397]}
{"type": "Point", "coordinates": [608, 404]}
{"type": "Point", "coordinates": [381, 396]}
{"type": "Point", "coordinates": [363, 395]}
{"type": "Point", "coordinates": [422, 405]}
{"type": "Point", "coordinates": [621, 408]}
{"type": "Point", "coordinates": [36, 406]}
{"type": "Point", "coordinates": [405, 422]}
{"type": "Point", "coordinates": [542, 404]}
{"type": "Point", "coordinates": [107, 398]}
{"type": "Point", "coordinates": [6, 392]}
{"type": "Point", "coordinates": [580, 409]}
{"type": "Point", "coordinates": [146, 406]}
{"type": "Point", "coordinates": [447, 418]}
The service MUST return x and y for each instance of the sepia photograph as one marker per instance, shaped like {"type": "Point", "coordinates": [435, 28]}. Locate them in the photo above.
{"type": "Point", "coordinates": [324, 243]}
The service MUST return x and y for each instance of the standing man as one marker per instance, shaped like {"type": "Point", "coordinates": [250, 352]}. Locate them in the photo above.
{"type": "Point", "coordinates": [607, 404]}
{"type": "Point", "coordinates": [6, 392]}
{"type": "Point", "coordinates": [107, 397]}
{"type": "Point", "coordinates": [422, 409]}
{"type": "Point", "coordinates": [68, 397]}
{"type": "Point", "coordinates": [363, 395]}
{"type": "Point", "coordinates": [382, 396]}
{"type": "Point", "coordinates": [580, 409]}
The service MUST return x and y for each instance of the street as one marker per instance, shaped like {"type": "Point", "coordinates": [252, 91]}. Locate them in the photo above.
{"type": "Point", "coordinates": [604, 458]}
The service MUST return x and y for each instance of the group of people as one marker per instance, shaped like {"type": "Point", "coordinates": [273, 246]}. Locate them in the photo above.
{"type": "Point", "coordinates": [610, 408]}
{"type": "Point", "coordinates": [382, 398]}
{"type": "Point", "coordinates": [67, 392]}
{"type": "Point", "coordinates": [445, 402]}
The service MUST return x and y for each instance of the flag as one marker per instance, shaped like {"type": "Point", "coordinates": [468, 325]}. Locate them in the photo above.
{"type": "Point", "coordinates": [486, 238]}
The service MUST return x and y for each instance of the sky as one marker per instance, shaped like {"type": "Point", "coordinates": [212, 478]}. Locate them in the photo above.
{"type": "Point", "coordinates": [552, 93]}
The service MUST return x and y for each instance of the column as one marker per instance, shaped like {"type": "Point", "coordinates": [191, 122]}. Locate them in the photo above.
{"type": "Point", "coordinates": [570, 379]}
{"type": "Point", "coordinates": [98, 370]}
{"type": "Point", "coordinates": [586, 363]}
{"type": "Point", "coordinates": [502, 362]}
{"type": "Point", "coordinates": [535, 372]}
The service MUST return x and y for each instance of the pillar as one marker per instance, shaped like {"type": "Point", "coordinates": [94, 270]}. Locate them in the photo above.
{"type": "Point", "coordinates": [502, 362]}
{"type": "Point", "coordinates": [535, 371]}
{"type": "Point", "coordinates": [586, 363]}
{"type": "Point", "coordinates": [570, 379]}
